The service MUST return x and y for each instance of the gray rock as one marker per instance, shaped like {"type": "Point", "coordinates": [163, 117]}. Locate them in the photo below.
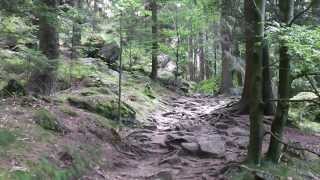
{"type": "Point", "coordinates": [213, 145]}
{"type": "Point", "coordinates": [192, 148]}
{"type": "Point", "coordinates": [110, 53]}
{"type": "Point", "coordinates": [236, 131]}
{"type": "Point", "coordinates": [308, 156]}
{"type": "Point", "coordinates": [163, 175]}
{"type": "Point", "coordinates": [222, 126]}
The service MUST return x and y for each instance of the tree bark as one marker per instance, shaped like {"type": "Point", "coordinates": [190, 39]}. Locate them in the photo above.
{"type": "Point", "coordinates": [42, 81]}
{"type": "Point", "coordinates": [269, 106]}
{"type": "Point", "coordinates": [226, 44]}
{"type": "Point", "coordinates": [48, 34]}
{"type": "Point", "coordinates": [208, 64]}
{"type": "Point", "coordinates": [190, 58]}
{"type": "Point", "coordinates": [76, 31]}
{"type": "Point", "coordinates": [256, 10]}
{"type": "Point", "coordinates": [201, 57]}
{"type": "Point", "coordinates": [155, 47]}
{"type": "Point", "coordinates": [279, 122]}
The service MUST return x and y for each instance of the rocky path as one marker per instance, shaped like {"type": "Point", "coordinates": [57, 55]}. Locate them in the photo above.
{"type": "Point", "coordinates": [189, 138]}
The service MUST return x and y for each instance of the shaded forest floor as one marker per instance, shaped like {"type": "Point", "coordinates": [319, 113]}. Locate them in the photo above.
{"type": "Point", "coordinates": [196, 137]}
{"type": "Point", "coordinates": [74, 134]}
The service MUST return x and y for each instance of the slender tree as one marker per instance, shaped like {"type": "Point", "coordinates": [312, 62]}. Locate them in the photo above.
{"type": "Point", "coordinates": [155, 46]}
{"type": "Point", "coordinates": [255, 13]}
{"type": "Point", "coordinates": [286, 12]}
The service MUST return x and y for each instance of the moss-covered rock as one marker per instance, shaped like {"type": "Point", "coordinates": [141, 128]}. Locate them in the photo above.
{"type": "Point", "coordinates": [104, 107]}
{"type": "Point", "coordinates": [13, 88]}
{"type": "Point", "coordinates": [48, 121]}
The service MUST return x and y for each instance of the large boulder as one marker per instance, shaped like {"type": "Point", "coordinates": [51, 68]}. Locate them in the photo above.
{"type": "Point", "coordinates": [212, 145]}
{"type": "Point", "coordinates": [110, 53]}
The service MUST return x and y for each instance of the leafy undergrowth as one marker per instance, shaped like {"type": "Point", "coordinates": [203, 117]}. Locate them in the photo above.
{"type": "Point", "coordinates": [207, 86]}
{"type": "Point", "coordinates": [68, 134]}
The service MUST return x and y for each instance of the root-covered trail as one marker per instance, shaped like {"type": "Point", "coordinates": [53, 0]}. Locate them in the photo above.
{"type": "Point", "coordinates": [188, 138]}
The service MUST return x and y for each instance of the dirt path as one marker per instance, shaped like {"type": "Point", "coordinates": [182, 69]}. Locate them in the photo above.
{"type": "Point", "coordinates": [189, 138]}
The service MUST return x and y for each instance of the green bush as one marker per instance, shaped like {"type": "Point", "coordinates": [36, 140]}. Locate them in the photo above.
{"type": "Point", "coordinates": [209, 86]}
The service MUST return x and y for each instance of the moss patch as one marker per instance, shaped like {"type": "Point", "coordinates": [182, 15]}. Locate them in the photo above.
{"type": "Point", "coordinates": [106, 108]}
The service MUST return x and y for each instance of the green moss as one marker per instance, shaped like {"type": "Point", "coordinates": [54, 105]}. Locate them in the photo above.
{"type": "Point", "coordinates": [48, 121]}
{"type": "Point", "coordinates": [6, 137]}
{"type": "Point", "coordinates": [106, 108]}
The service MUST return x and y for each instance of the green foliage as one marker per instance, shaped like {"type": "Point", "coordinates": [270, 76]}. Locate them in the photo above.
{"type": "Point", "coordinates": [207, 86]}
{"type": "Point", "coordinates": [303, 44]}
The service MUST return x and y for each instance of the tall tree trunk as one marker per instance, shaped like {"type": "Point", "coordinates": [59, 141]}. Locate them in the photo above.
{"type": "Point", "coordinates": [76, 31]}
{"type": "Point", "coordinates": [244, 103]}
{"type": "Point", "coordinates": [48, 34]}
{"type": "Point", "coordinates": [269, 106]}
{"type": "Point", "coordinates": [154, 9]}
{"type": "Point", "coordinates": [208, 64]}
{"type": "Point", "coordinates": [190, 59]}
{"type": "Point", "coordinates": [226, 44]}
{"type": "Point", "coordinates": [255, 10]}
{"type": "Point", "coordinates": [201, 57]}
{"type": "Point", "coordinates": [42, 81]}
{"type": "Point", "coordinates": [287, 12]}
{"type": "Point", "coordinates": [215, 59]}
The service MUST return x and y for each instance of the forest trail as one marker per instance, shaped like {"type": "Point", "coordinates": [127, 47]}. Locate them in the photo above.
{"type": "Point", "coordinates": [192, 138]}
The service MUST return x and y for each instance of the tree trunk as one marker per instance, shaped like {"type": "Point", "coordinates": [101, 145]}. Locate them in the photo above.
{"type": "Point", "coordinates": [226, 44]}
{"type": "Point", "coordinates": [42, 81]}
{"type": "Point", "coordinates": [244, 103]}
{"type": "Point", "coordinates": [154, 9]}
{"type": "Point", "coordinates": [256, 10]}
{"type": "Point", "coordinates": [269, 106]}
{"type": "Point", "coordinates": [48, 34]}
{"type": "Point", "coordinates": [76, 31]}
{"type": "Point", "coordinates": [208, 64]}
{"type": "Point", "coordinates": [201, 57]}
{"type": "Point", "coordinates": [279, 122]}
{"type": "Point", "coordinates": [190, 58]}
